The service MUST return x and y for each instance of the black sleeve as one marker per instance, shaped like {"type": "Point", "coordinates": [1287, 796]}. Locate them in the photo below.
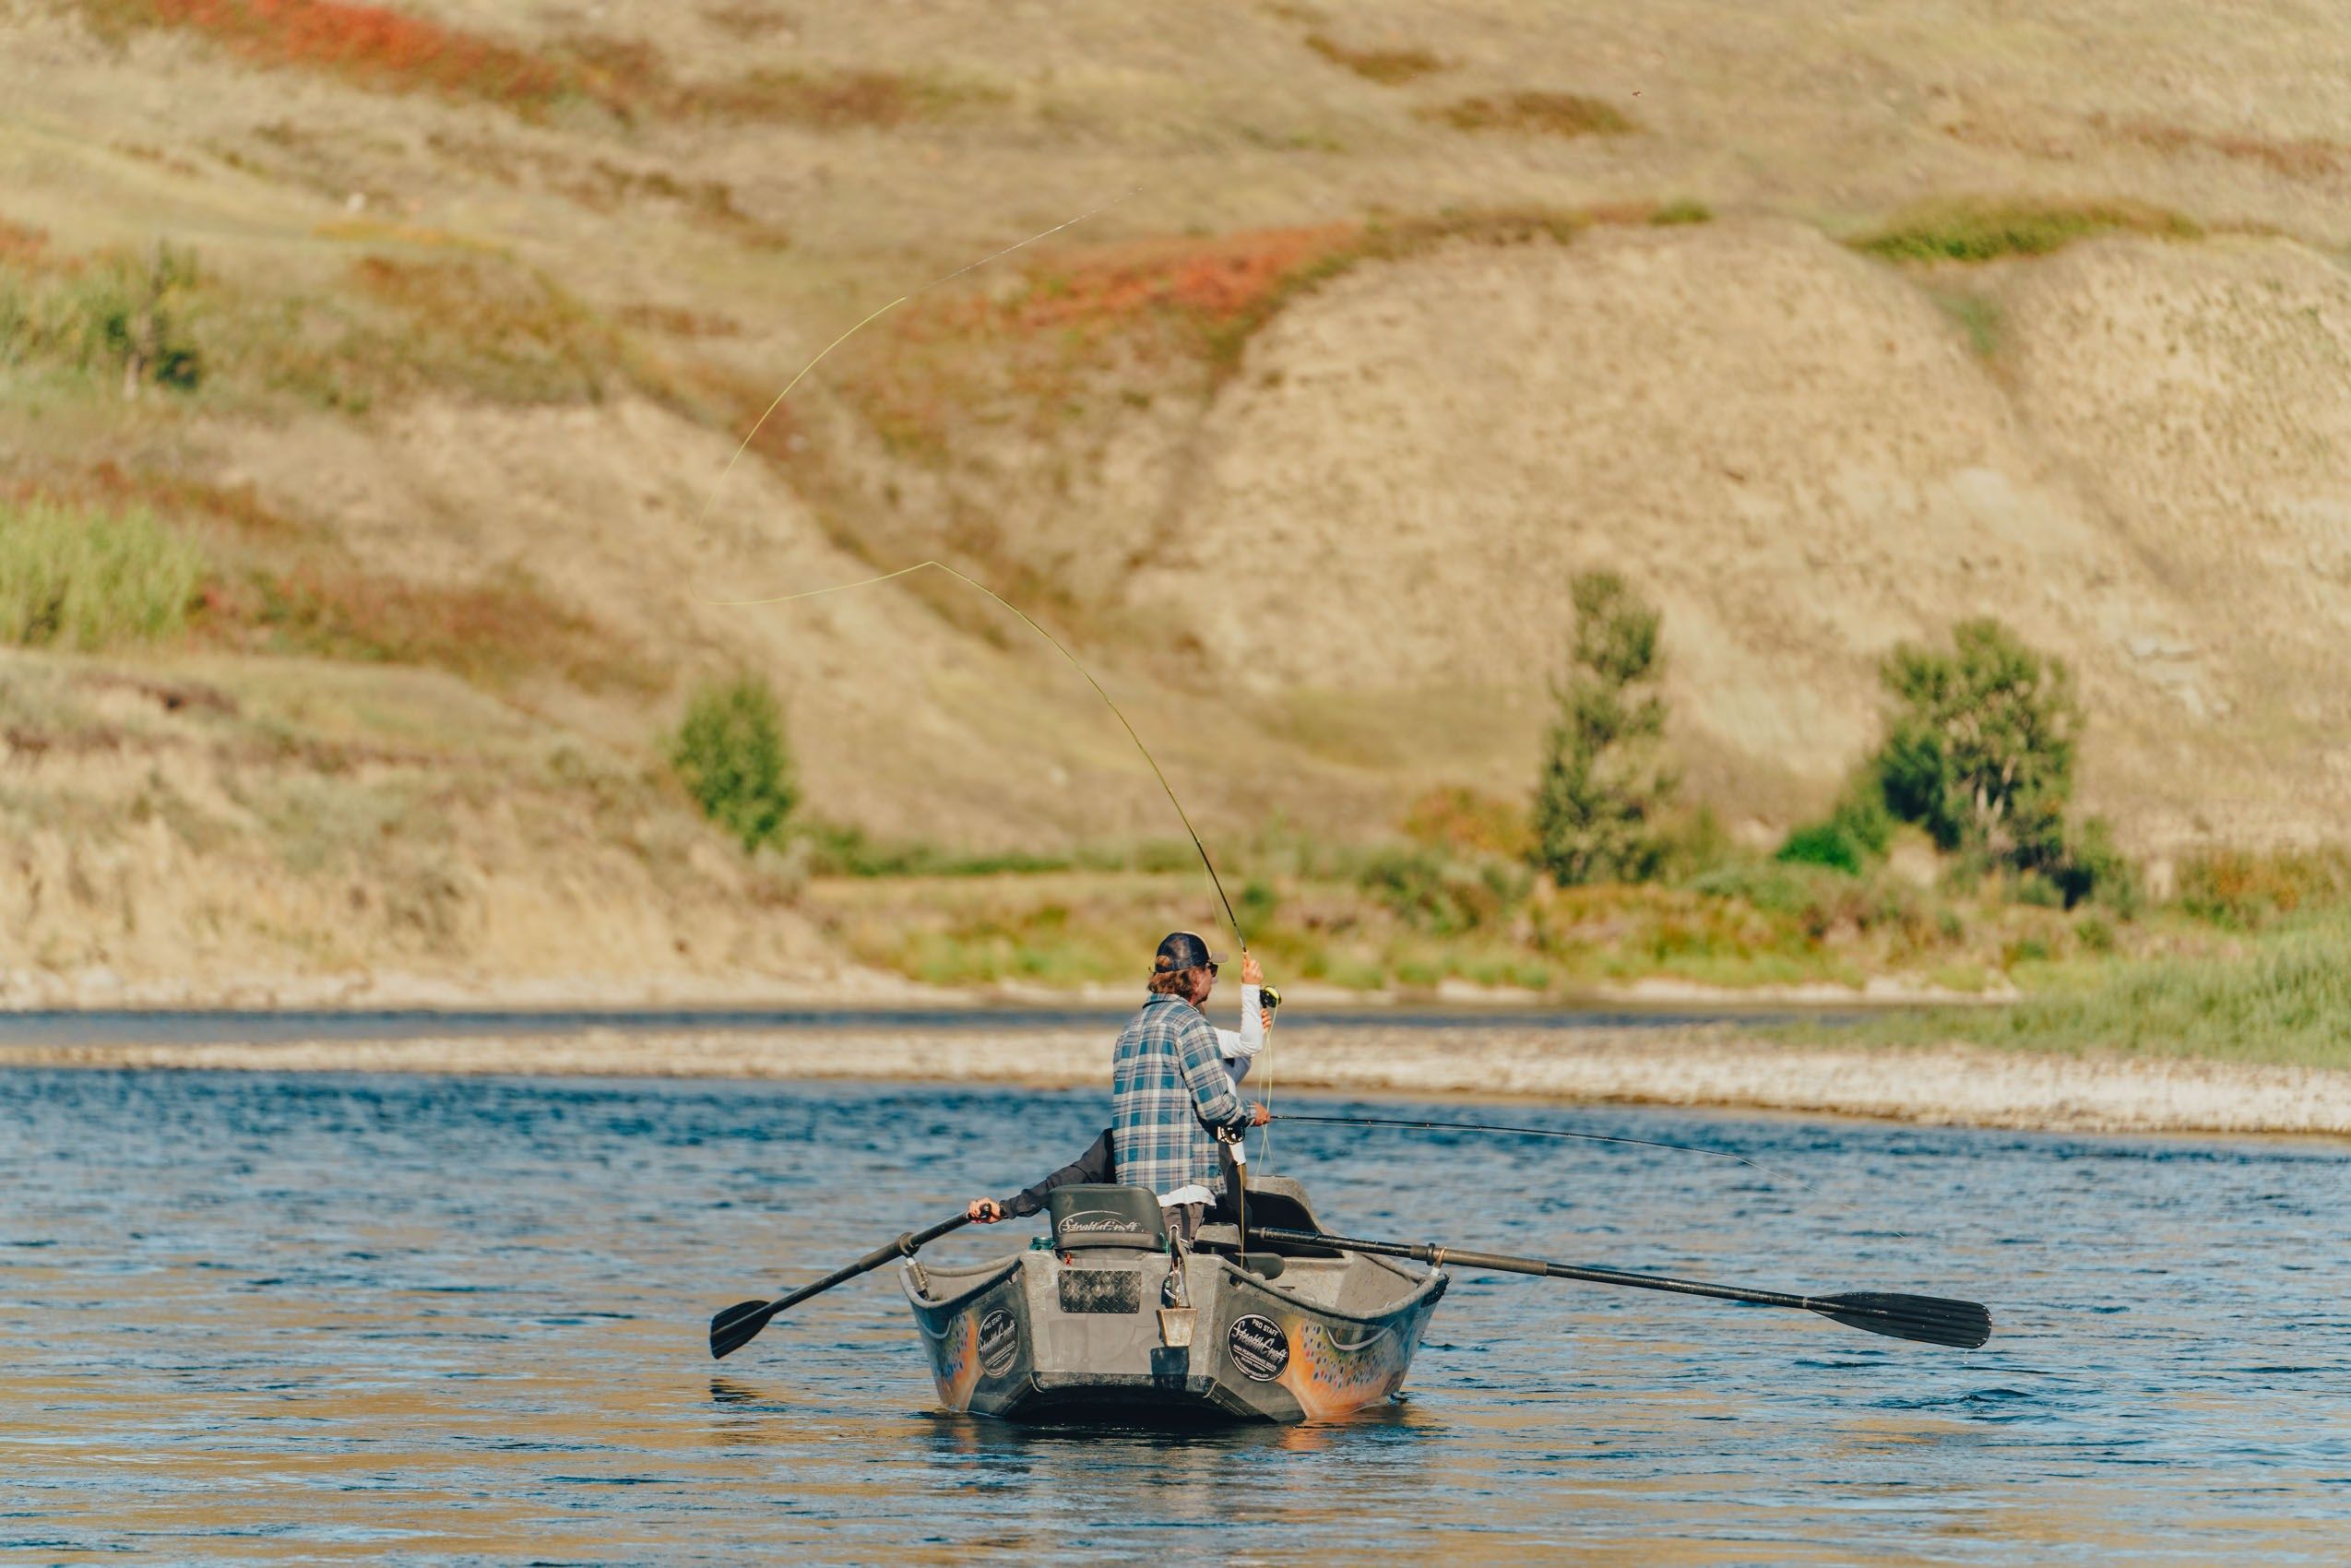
{"type": "Point", "coordinates": [1094, 1166]}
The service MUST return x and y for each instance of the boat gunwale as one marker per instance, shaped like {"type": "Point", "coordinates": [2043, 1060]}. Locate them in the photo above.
{"type": "Point", "coordinates": [990, 1275]}
{"type": "Point", "coordinates": [1436, 1280]}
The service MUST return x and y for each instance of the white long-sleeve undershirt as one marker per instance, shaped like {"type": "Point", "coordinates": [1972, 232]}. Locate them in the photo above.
{"type": "Point", "coordinates": [1241, 1047]}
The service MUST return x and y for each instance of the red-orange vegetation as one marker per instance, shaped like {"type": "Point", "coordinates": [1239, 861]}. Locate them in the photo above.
{"type": "Point", "coordinates": [19, 243]}
{"type": "Point", "coordinates": [494, 633]}
{"type": "Point", "coordinates": [374, 46]}
{"type": "Point", "coordinates": [235, 511]}
{"type": "Point", "coordinates": [1464, 821]}
{"type": "Point", "coordinates": [1219, 278]}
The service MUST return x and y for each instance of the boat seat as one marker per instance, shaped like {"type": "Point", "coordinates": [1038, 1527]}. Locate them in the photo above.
{"type": "Point", "coordinates": [1277, 1201]}
{"type": "Point", "coordinates": [1088, 1216]}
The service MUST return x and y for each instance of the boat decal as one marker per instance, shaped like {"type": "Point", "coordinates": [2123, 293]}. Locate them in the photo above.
{"type": "Point", "coordinates": [1097, 1222]}
{"type": "Point", "coordinates": [1258, 1346]}
{"type": "Point", "coordinates": [999, 1343]}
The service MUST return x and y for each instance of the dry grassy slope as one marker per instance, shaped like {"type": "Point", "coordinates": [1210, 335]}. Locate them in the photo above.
{"type": "Point", "coordinates": [903, 724]}
{"type": "Point", "coordinates": [1793, 447]}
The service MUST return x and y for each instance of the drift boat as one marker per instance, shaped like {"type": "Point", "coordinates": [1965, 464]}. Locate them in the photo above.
{"type": "Point", "coordinates": [1108, 1322]}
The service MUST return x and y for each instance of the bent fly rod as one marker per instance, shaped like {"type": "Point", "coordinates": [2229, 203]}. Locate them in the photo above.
{"type": "Point", "coordinates": [1030, 622]}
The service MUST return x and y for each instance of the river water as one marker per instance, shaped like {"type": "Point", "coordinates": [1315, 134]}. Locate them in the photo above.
{"type": "Point", "coordinates": [281, 1318]}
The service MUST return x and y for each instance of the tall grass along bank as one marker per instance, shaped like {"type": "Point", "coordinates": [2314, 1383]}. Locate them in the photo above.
{"type": "Point", "coordinates": [2285, 1000]}
{"type": "Point", "coordinates": [90, 579]}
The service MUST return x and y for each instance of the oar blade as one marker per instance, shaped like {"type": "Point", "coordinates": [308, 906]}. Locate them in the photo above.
{"type": "Point", "coordinates": [737, 1327]}
{"type": "Point", "coordinates": [1931, 1320]}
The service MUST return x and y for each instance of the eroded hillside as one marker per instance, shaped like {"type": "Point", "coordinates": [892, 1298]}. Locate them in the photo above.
{"type": "Point", "coordinates": [1400, 314]}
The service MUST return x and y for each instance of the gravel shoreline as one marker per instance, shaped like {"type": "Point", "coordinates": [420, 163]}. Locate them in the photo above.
{"type": "Point", "coordinates": [1718, 1067]}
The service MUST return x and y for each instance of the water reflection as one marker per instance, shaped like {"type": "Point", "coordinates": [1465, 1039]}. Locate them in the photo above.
{"type": "Point", "coordinates": [251, 1316]}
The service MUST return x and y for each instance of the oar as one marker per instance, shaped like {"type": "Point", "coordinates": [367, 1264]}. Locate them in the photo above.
{"type": "Point", "coordinates": [1933, 1320]}
{"type": "Point", "coordinates": [741, 1324]}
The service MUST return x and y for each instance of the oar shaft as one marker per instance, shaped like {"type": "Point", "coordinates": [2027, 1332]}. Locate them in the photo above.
{"type": "Point", "coordinates": [1503, 1263]}
{"type": "Point", "coordinates": [905, 1246]}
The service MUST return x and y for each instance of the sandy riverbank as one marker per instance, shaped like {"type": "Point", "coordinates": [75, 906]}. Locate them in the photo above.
{"type": "Point", "coordinates": [1713, 1066]}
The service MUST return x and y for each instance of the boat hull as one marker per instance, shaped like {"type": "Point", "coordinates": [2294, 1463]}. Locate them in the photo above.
{"type": "Point", "coordinates": [1042, 1338]}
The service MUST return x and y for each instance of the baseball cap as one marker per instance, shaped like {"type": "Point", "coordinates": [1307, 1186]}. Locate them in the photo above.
{"type": "Point", "coordinates": [1182, 950]}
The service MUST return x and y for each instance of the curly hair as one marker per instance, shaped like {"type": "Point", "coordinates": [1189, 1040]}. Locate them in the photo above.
{"type": "Point", "coordinates": [1175, 982]}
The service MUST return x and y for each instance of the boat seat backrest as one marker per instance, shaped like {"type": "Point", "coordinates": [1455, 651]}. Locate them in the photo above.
{"type": "Point", "coordinates": [1106, 1217]}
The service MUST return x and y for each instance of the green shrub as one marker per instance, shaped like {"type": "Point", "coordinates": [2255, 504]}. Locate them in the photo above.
{"type": "Point", "coordinates": [118, 313]}
{"type": "Point", "coordinates": [1683, 211]}
{"type": "Point", "coordinates": [1604, 786]}
{"type": "Point", "coordinates": [1985, 231]}
{"type": "Point", "coordinates": [2094, 868]}
{"type": "Point", "coordinates": [1858, 832]}
{"type": "Point", "coordinates": [730, 754]}
{"type": "Point", "coordinates": [1980, 752]}
{"type": "Point", "coordinates": [1823, 844]}
{"type": "Point", "coordinates": [1862, 817]}
{"type": "Point", "coordinates": [87, 579]}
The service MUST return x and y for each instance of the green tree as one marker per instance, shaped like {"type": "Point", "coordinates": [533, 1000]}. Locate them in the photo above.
{"type": "Point", "coordinates": [1858, 830]}
{"type": "Point", "coordinates": [1980, 752]}
{"type": "Point", "coordinates": [1604, 784]}
{"type": "Point", "coordinates": [730, 755]}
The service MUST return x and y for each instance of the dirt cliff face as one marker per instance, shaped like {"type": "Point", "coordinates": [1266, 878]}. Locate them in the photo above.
{"type": "Point", "coordinates": [1409, 312]}
{"type": "Point", "coordinates": [1806, 460]}
{"type": "Point", "coordinates": [2199, 398]}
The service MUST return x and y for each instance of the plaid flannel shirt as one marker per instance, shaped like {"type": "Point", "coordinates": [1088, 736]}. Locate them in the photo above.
{"type": "Point", "coordinates": [1169, 1093]}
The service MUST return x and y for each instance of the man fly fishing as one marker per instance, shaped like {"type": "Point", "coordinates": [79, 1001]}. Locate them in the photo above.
{"type": "Point", "coordinates": [1236, 1049]}
{"type": "Point", "coordinates": [1170, 1093]}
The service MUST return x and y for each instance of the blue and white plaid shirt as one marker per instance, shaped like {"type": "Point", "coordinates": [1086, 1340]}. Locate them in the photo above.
{"type": "Point", "coordinates": [1169, 1093]}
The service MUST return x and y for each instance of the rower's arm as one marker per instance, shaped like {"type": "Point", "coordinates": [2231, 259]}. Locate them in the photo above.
{"type": "Point", "coordinates": [1094, 1166]}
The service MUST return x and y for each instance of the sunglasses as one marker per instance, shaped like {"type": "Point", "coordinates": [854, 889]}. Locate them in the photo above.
{"type": "Point", "coordinates": [1212, 971]}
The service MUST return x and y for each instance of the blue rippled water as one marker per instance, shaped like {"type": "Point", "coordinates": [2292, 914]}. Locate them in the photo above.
{"type": "Point", "coordinates": [281, 1318]}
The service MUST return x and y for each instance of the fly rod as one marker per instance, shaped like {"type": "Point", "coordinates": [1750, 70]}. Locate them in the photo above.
{"type": "Point", "coordinates": [1755, 1165]}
